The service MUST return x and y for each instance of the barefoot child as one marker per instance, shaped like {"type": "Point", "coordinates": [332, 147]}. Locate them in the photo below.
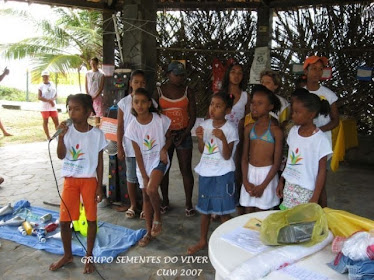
{"type": "Point", "coordinates": [126, 151]}
{"type": "Point", "coordinates": [217, 140]}
{"type": "Point", "coordinates": [81, 147]}
{"type": "Point", "coordinates": [262, 153]}
{"type": "Point", "coordinates": [305, 173]}
{"type": "Point", "coordinates": [148, 133]}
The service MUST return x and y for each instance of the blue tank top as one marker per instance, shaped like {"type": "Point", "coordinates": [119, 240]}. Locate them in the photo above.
{"type": "Point", "coordinates": [267, 136]}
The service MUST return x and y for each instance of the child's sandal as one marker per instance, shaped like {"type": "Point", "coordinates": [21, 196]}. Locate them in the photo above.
{"type": "Point", "coordinates": [145, 240]}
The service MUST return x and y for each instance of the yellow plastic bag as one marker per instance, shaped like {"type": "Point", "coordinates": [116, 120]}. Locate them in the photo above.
{"type": "Point", "coordinates": [303, 213]}
{"type": "Point", "coordinates": [81, 225]}
{"type": "Point", "coordinates": [343, 223]}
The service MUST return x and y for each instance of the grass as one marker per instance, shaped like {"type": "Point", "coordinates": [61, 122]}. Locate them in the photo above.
{"type": "Point", "coordinates": [26, 126]}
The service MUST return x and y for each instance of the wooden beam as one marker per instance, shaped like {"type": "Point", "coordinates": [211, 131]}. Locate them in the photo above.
{"type": "Point", "coordinates": [80, 4]}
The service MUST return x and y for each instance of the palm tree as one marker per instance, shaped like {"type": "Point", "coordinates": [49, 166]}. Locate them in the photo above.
{"type": "Point", "coordinates": [68, 42]}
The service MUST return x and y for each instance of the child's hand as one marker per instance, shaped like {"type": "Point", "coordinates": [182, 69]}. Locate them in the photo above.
{"type": "Point", "coordinates": [279, 190]}
{"type": "Point", "coordinates": [51, 102]}
{"type": "Point", "coordinates": [219, 134]}
{"type": "Point", "coordinates": [200, 132]}
{"type": "Point", "coordinates": [120, 152]}
{"type": "Point", "coordinates": [164, 156]}
{"type": "Point", "coordinates": [99, 194]}
{"type": "Point", "coordinates": [314, 199]}
{"type": "Point", "coordinates": [64, 128]}
{"type": "Point", "coordinates": [258, 191]}
{"type": "Point", "coordinates": [145, 181]}
{"type": "Point", "coordinates": [249, 187]}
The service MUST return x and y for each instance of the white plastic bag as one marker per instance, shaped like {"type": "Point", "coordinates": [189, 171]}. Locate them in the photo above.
{"type": "Point", "coordinates": [356, 246]}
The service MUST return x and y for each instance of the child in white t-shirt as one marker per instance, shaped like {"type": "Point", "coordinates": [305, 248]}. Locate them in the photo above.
{"type": "Point", "coordinates": [305, 172]}
{"type": "Point", "coordinates": [126, 151]}
{"type": "Point", "coordinates": [150, 137]}
{"type": "Point", "coordinates": [81, 147]}
{"type": "Point", "coordinates": [217, 142]}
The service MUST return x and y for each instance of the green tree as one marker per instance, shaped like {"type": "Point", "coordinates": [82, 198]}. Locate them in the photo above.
{"type": "Point", "coordinates": [68, 41]}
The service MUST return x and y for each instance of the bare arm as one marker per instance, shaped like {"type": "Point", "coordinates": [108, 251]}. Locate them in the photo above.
{"type": "Point", "coordinates": [226, 147]}
{"type": "Point", "coordinates": [86, 85]}
{"type": "Point", "coordinates": [320, 180]}
{"type": "Point", "coordinates": [100, 89]}
{"type": "Point", "coordinates": [139, 160]}
{"type": "Point", "coordinates": [99, 174]}
{"type": "Point", "coordinates": [200, 136]}
{"type": "Point", "coordinates": [164, 151]}
{"type": "Point", "coordinates": [334, 122]}
{"type": "Point", "coordinates": [245, 159]}
{"type": "Point", "coordinates": [120, 133]}
{"type": "Point", "coordinates": [248, 105]}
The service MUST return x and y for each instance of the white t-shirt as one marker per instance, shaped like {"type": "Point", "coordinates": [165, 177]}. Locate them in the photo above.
{"type": "Point", "coordinates": [82, 149]}
{"type": "Point", "coordinates": [321, 120]}
{"type": "Point", "coordinates": [284, 105]}
{"type": "Point", "coordinates": [212, 163]}
{"type": "Point", "coordinates": [94, 81]}
{"type": "Point", "coordinates": [304, 154]}
{"type": "Point", "coordinates": [48, 91]}
{"type": "Point", "coordinates": [150, 139]}
{"type": "Point", "coordinates": [125, 104]}
{"type": "Point", "coordinates": [238, 110]}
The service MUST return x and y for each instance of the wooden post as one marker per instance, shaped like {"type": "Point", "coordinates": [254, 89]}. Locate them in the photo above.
{"type": "Point", "coordinates": [139, 38]}
{"type": "Point", "coordinates": [108, 57]}
{"type": "Point", "coordinates": [264, 26]}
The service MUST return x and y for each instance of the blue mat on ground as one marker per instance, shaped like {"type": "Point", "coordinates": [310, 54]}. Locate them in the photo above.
{"type": "Point", "coordinates": [111, 240]}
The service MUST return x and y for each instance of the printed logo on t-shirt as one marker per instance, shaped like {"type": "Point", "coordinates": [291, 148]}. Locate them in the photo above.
{"type": "Point", "coordinates": [76, 153]}
{"type": "Point", "coordinates": [149, 143]}
{"type": "Point", "coordinates": [211, 147]}
{"type": "Point", "coordinates": [295, 157]}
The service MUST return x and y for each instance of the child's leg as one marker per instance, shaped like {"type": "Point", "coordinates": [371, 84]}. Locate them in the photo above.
{"type": "Point", "coordinates": [131, 189]}
{"type": "Point", "coordinates": [152, 191]}
{"type": "Point", "coordinates": [204, 227]}
{"type": "Point", "coordinates": [148, 212]}
{"type": "Point", "coordinates": [55, 121]}
{"type": "Point", "coordinates": [250, 209]}
{"type": "Point", "coordinates": [164, 185]}
{"type": "Point", "coordinates": [91, 236]}
{"type": "Point", "coordinates": [66, 242]}
{"type": "Point", "coordinates": [225, 218]}
{"type": "Point", "coordinates": [184, 159]}
{"type": "Point", "coordinates": [45, 127]}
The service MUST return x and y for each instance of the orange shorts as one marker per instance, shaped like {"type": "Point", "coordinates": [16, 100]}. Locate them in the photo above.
{"type": "Point", "coordinates": [73, 188]}
{"type": "Point", "coordinates": [47, 114]}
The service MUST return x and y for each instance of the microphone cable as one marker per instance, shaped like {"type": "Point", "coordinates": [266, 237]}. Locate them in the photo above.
{"type": "Point", "coordinates": [58, 191]}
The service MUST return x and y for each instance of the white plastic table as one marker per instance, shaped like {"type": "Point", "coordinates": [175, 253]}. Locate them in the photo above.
{"type": "Point", "coordinates": [225, 257]}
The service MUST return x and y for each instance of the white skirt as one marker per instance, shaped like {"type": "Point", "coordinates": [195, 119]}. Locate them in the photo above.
{"type": "Point", "coordinates": [269, 197]}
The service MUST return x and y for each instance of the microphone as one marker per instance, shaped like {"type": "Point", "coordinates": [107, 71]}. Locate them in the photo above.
{"type": "Point", "coordinates": [69, 122]}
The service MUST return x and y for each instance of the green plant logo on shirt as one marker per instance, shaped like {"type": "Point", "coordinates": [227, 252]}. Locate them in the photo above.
{"type": "Point", "coordinates": [211, 147]}
{"type": "Point", "coordinates": [295, 157]}
{"type": "Point", "coordinates": [76, 153]}
{"type": "Point", "coordinates": [149, 143]}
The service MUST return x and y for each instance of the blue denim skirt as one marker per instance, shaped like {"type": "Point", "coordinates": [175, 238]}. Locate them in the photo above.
{"type": "Point", "coordinates": [217, 194]}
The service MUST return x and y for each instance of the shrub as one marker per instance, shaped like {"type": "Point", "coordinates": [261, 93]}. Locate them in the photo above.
{"type": "Point", "coordinates": [14, 94]}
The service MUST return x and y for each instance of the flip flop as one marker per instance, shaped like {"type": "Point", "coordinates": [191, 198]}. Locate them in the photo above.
{"type": "Point", "coordinates": [164, 209]}
{"type": "Point", "coordinates": [122, 208]}
{"type": "Point", "coordinates": [190, 212]}
{"type": "Point", "coordinates": [156, 229]}
{"type": "Point", "coordinates": [145, 240]}
{"type": "Point", "coordinates": [142, 215]}
{"type": "Point", "coordinates": [130, 214]}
